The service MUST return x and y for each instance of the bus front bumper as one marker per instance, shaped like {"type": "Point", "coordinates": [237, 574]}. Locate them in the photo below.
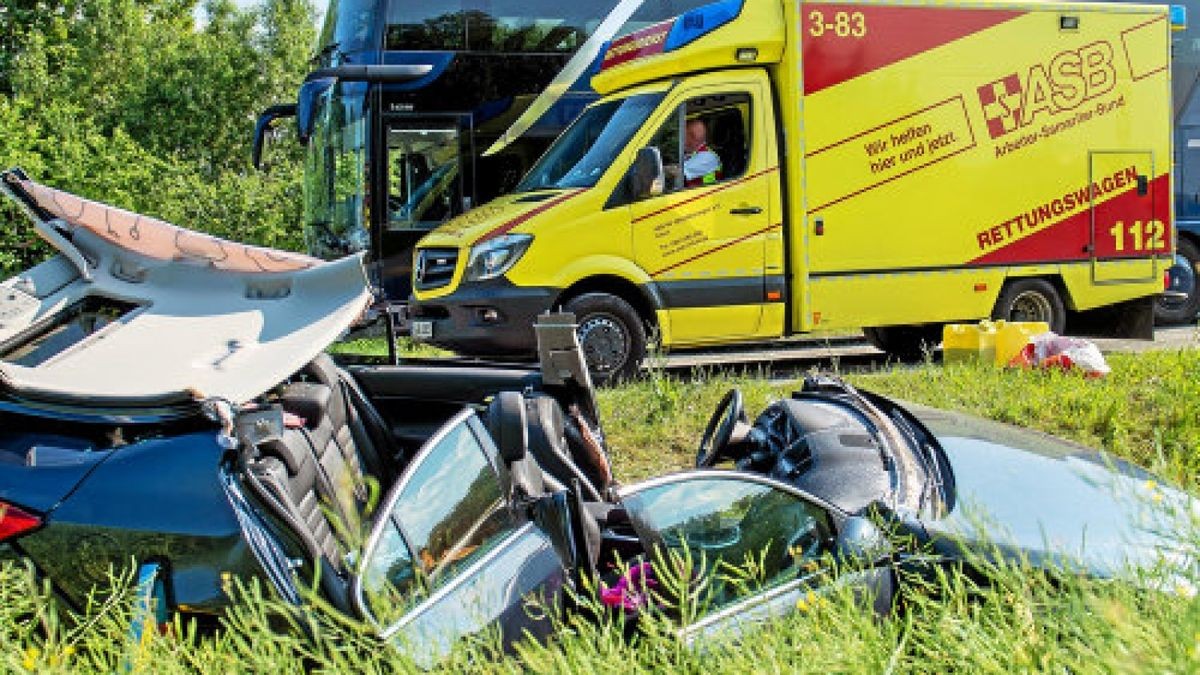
{"type": "Point", "coordinates": [483, 318]}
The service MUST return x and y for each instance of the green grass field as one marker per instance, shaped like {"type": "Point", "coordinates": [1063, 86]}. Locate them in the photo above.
{"type": "Point", "coordinates": [1145, 410]}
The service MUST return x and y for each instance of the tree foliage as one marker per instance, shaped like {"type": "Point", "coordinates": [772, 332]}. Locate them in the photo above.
{"type": "Point", "coordinates": [134, 103]}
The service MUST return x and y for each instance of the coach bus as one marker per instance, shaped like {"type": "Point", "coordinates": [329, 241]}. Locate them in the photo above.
{"type": "Point", "coordinates": [388, 158]}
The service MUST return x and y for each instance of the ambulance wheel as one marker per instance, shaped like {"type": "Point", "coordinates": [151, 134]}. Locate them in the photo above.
{"type": "Point", "coordinates": [1031, 300]}
{"type": "Point", "coordinates": [1184, 275]}
{"type": "Point", "coordinates": [612, 335]}
{"type": "Point", "coordinates": [906, 343]}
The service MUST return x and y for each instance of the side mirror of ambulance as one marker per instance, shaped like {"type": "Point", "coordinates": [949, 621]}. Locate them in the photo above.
{"type": "Point", "coordinates": [645, 177]}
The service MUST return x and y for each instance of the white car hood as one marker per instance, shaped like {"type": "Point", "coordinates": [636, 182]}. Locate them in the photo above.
{"type": "Point", "coordinates": [213, 319]}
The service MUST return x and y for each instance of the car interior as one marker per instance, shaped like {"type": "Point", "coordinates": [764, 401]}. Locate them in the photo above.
{"type": "Point", "coordinates": [333, 431]}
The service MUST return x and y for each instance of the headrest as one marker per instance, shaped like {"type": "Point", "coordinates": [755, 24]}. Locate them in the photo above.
{"type": "Point", "coordinates": [309, 400]}
{"type": "Point", "coordinates": [547, 422]}
{"type": "Point", "coordinates": [291, 449]}
{"type": "Point", "coordinates": [506, 423]}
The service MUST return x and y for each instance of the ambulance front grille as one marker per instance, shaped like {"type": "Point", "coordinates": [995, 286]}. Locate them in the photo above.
{"type": "Point", "coordinates": [434, 268]}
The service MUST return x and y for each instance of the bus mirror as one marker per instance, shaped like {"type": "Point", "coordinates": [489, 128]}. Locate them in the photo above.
{"type": "Point", "coordinates": [306, 105]}
{"type": "Point", "coordinates": [264, 124]}
{"type": "Point", "coordinates": [646, 177]}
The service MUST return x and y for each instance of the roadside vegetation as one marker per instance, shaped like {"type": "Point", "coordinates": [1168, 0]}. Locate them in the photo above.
{"type": "Point", "coordinates": [1014, 622]}
{"type": "Point", "coordinates": [135, 103]}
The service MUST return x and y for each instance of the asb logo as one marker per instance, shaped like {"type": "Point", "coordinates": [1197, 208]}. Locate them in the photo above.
{"type": "Point", "coordinates": [1062, 85]}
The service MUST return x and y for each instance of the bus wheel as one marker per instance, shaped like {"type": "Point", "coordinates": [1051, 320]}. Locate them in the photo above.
{"type": "Point", "coordinates": [1031, 300]}
{"type": "Point", "coordinates": [1184, 275]}
{"type": "Point", "coordinates": [612, 335]}
{"type": "Point", "coordinates": [906, 343]}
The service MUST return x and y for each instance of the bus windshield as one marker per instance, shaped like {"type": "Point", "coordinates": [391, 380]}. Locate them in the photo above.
{"type": "Point", "coordinates": [500, 26]}
{"type": "Point", "coordinates": [585, 150]}
{"type": "Point", "coordinates": [335, 174]}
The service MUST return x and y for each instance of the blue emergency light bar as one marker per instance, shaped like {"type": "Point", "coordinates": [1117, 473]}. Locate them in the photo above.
{"type": "Point", "coordinates": [1178, 17]}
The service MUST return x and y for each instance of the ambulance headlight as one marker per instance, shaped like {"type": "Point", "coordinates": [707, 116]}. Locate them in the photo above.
{"type": "Point", "coordinates": [495, 256]}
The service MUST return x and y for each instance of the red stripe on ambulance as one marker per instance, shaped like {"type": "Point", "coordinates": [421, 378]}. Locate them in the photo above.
{"type": "Point", "coordinates": [1128, 225]}
{"type": "Point", "coordinates": [842, 42]}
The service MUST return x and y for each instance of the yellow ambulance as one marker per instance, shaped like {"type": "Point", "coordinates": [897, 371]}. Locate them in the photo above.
{"type": "Point", "coordinates": [756, 169]}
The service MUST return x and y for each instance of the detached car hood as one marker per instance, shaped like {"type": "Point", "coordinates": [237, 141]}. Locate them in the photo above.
{"type": "Point", "coordinates": [498, 217]}
{"type": "Point", "coordinates": [1049, 501]}
{"type": "Point", "coordinates": [137, 311]}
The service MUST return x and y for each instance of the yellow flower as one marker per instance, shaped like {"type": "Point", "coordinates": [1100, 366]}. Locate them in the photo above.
{"type": "Point", "coordinates": [31, 658]}
{"type": "Point", "coordinates": [69, 650]}
{"type": "Point", "coordinates": [1156, 497]}
{"type": "Point", "coordinates": [809, 601]}
{"type": "Point", "coordinates": [1150, 485]}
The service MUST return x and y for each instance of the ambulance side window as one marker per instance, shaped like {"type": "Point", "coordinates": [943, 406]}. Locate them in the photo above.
{"type": "Point", "coordinates": [706, 141]}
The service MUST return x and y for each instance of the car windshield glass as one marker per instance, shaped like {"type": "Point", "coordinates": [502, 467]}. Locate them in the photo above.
{"type": "Point", "coordinates": [590, 146]}
{"type": "Point", "coordinates": [449, 512]}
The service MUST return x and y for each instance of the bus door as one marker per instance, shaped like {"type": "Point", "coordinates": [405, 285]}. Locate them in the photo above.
{"type": "Point", "coordinates": [426, 180]}
{"type": "Point", "coordinates": [1126, 234]}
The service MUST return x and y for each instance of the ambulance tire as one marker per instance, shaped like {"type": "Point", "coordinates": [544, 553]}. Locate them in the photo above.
{"type": "Point", "coordinates": [905, 343]}
{"type": "Point", "coordinates": [1182, 310]}
{"type": "Point", "coordinates": [1032, 300]}
{"type": "Point", "coordinates": [612, 335]}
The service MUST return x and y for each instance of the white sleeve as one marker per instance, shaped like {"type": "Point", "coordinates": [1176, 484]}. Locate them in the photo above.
{"type": "Point", "coordinates": [701, 164]}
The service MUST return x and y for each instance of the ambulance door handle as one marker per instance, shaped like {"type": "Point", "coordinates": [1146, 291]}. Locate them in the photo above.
{"type": "Point", "coordinates": [746, 211]}
{"type": "Point", "coordinates": [1143, 185]}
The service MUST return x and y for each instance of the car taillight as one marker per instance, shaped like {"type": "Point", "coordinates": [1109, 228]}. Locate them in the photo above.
{"type": "Point", "coordinates": [15, 522]}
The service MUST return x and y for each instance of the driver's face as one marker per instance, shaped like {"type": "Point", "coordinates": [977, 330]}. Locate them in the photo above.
{"type": "Point", "coordinates": [697, 135]}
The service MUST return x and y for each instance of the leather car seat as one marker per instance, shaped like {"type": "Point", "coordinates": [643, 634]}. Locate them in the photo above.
{"type": "Point", "coordinates": [506, 423]}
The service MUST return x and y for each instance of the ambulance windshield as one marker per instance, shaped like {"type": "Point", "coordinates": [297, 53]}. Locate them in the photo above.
{"type": "Point", "coordinates": [585, 151]}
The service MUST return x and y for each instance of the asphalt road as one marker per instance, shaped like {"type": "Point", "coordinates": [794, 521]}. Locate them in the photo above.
{"type": "Point", "coordinates": [854, 352]}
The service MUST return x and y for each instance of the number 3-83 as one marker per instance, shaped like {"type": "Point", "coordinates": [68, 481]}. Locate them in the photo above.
{"type": "Point", "coordinates": [844, 24]}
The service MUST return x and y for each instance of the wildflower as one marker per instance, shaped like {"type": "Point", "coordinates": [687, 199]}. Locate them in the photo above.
{"type": "Point", "coordinates": [808, 601]}
{"type": "Point", "coordinates": [1151, 484]}
{"type": "Point", "coordinates": [31, 658]}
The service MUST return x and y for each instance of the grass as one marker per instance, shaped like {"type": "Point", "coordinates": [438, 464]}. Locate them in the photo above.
{"type": "Point", "coordinates": [377, 347]}
{"type": "Point", "coordinates": [1145, 410]}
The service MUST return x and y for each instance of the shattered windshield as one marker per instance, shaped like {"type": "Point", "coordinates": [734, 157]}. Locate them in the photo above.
{"type": "Point", "coordinates": [585, 150]}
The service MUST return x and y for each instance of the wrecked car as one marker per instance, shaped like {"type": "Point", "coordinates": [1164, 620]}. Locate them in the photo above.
{"type": "Point", "coordinates": [165, 398]}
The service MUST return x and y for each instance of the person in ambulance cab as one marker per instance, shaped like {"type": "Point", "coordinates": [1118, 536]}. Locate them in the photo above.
{"type": "Point", "coordinates": [701, 165]}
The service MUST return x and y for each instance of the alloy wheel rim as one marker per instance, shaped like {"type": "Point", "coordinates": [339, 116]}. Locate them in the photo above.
{"type": "Point", "coordinates": [605, 342]}
{"type": "Point", "coordinates": [1031, 306]}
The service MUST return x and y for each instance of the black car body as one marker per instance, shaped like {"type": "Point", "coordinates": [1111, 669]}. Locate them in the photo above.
{"type": "Point", "coordinates": [165, 401]}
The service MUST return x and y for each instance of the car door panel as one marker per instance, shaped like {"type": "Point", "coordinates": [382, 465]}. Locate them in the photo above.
{"type": "Point", "coordinates": [450, 554]}
{"type": "Point", "coordinates": [734, 519]}
{"type": "Point", "coordinates": [876, 589]}
{"type": "Point", "coordinates": [498, 590]}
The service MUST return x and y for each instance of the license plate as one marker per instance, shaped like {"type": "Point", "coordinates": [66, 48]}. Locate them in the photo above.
{"type": "Point", "coordinates": [422, 330]}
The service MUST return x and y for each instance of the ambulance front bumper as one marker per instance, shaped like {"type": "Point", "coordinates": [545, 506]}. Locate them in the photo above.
{"type": "Point", "coordinates": [484, 318]}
